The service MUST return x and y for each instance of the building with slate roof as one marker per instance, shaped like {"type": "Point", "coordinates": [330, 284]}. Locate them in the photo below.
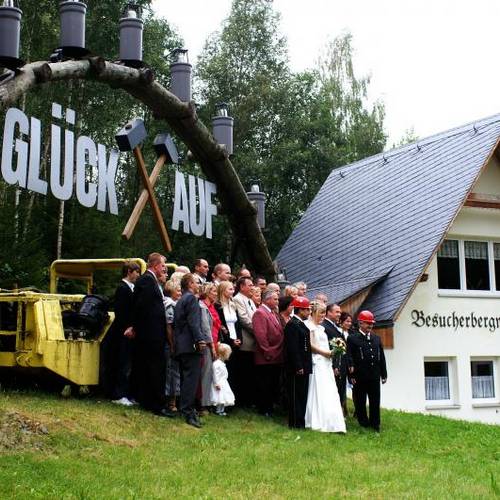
{"type": "Point", "coordinates": [413, 235]}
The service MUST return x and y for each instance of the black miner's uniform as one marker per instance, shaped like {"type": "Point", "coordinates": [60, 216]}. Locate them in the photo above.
{"type": "Point", "coordinates": [298, 357]}
{"type": "Point", "coordinates": [366, 357]}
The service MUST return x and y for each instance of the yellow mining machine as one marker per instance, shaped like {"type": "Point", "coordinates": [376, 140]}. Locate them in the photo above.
{"type": "Point", "coordinates": [59, 332]}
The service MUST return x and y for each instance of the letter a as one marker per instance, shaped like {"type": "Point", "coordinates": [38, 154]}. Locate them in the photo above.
{"type": "Point", "coordinates": [181, 204]}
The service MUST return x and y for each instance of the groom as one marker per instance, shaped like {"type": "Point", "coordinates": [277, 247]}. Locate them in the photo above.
{"type": "Point", "coordinates": [298, 362]}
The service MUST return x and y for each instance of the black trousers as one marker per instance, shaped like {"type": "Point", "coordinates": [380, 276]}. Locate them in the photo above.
{"type": "Point", "coordinates": [341, 381]}
{"type": "Point", "coordinates": [242, 377]}
{"type": "Point", "coordinates": [360, 391]}
{"type": "Point", "coordinates": [150, 373]}
{"type": "Point", "coordinates": [298, 388]}
{"type": "Point", "coordinates": [190, 371]}
{"type": "Point", "coordinates": [268, 379]}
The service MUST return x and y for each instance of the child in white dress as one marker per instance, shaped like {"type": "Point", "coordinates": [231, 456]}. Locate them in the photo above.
{"type": "Point", "coordinates": [221, 395]}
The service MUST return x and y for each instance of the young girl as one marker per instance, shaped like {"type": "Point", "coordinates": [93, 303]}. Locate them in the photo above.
{"type": "Point", "coordinates": [222, 395]}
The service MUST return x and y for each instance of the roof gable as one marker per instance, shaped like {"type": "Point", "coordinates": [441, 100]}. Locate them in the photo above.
{"type": "Point", "coordinates": [388, 210]}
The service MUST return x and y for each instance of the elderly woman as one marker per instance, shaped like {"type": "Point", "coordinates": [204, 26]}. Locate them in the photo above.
{"type": "Point", "coordinates": [291, 291]}
{"type": "Point", "coordinates": [210, 325]}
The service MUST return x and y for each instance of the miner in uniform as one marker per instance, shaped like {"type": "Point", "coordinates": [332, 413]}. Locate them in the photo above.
{"type": "Point", "coordinates": [367, 368]}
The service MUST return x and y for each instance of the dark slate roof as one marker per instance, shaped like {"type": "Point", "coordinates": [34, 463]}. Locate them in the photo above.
{"type": "Point", "coordinates": [389, 210]}
{"type": "Point", "coordinates": [338, 292]}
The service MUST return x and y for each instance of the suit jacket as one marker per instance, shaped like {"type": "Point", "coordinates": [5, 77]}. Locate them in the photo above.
{"type": "Point", "coordinates": [187, 324]}
{"type": "Point", "coordinates": [123, 309]}
{"type": "Point", "coordinates": [245, 314]}
{"type": "Point", "coordinates": [366, 357]}
{"type": "Point", "coordinates": [224, 337]}
{"type": "Point", "coordinates": [268, 337]}
{"type": "Point", "coordinates": [340, 360]}
{"type": "Point", "coordinates": [148, 310]}
{"type": "Point", "coordinates": [298, 346]}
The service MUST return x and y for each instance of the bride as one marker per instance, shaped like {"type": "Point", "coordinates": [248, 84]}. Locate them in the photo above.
{"type": "Point", "coordinates": [323, 410]}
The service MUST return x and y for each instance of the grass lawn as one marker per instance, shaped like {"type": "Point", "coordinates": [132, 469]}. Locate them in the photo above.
{"type": "Point", "coordinates": [55, 448]}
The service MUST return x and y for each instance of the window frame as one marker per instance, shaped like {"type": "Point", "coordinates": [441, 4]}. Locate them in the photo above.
{"type": "Point", "coordinates": [452, 402]}
{"type": "Point", "coordinates": [463, 290]}
{"type": "Point", "coordinates": [496, 398]}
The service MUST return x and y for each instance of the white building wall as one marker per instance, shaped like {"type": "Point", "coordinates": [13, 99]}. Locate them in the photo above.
{"type": "Point", "coordinates": [405, 388]}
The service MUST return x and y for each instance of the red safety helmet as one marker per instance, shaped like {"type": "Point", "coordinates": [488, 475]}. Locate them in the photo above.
{"type": "Point", "coordinates": [301, 303]}
{"type": "Point", "coordinates": [366, 316]}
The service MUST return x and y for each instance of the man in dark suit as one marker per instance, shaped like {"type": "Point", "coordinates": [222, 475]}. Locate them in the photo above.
{"type": "Point", "coordinates": [189, 344]}
{"type": "Point", "coordinates": [339, 362]}
{"type": "Point", "coordinates": [118, 348]}
{"type": "Point", "coordinates": [268, 352]}
{"type": "Point", "coordinates": [298, 362]}
{"type": "Point", "coordinates": [149, 330]}
{"type": "Point", "coordinates": [367, 368]}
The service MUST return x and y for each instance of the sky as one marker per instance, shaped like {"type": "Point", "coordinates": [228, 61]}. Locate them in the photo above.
{"type": "Point", "coordinates": [433, 63]}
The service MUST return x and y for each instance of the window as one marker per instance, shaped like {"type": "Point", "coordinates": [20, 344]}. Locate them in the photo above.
{"type": "Point", "coordinates": [496, 260]}
{"type": "Point", "coordinates": [469, 265]}
{"type": "Point", "coordinates": [477, 271]}
{"type": "Point", "coordinates": [437, 380]}
{"type": "Point", "coordinates": [448, 266]}
{"type": "Point", "coordinates": [483, 381]}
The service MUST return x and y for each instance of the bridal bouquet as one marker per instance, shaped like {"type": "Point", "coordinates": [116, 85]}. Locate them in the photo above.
{"type": "Point", "coordinates": [338, 346]}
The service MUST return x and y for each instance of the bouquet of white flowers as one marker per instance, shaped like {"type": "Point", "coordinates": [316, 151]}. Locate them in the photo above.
{"type": "Point", "coordinates": [338, 346]}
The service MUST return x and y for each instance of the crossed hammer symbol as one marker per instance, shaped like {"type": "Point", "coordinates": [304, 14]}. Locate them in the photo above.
{"type": "Point", "coordinates": [129, 138]}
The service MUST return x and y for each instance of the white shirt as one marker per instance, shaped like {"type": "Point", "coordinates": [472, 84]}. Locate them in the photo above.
{"type": "Point", "coordinates": [129, 284]}
{"type": "Point", "coordinates": [160, 287]}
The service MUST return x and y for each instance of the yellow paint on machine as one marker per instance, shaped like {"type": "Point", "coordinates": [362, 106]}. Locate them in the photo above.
{"type": "Point", "coordinates": [35, 338]}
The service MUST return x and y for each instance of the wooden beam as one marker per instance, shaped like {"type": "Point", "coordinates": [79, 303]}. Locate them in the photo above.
{"type": "Point", "coordinates": [483, 201]}
{"type": "Point", "coordinates": [143, 199]}
{"type": "Point", "coordinates": [182, 117]}
{"type": "Point", "coordinates": [152, 200]}
{"type": "Point", "coordinates": [386, 334]}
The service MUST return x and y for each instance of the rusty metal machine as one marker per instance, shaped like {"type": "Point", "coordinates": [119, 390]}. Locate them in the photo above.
{"type": "Point", "coordinates": [58, 332]}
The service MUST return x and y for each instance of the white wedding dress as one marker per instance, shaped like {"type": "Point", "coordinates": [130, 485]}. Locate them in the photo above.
{"type": "Point", "coordinates": [323, 410]}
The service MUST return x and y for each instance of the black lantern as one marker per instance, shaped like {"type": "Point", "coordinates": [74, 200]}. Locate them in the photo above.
{"type": "Point", "coordinates": [281, 279]}
{"type": "Point", "coordinates": [222, 126]}
{"type": "Point", "coordinates": [131, 28]}
{"type": "Point", "coordinates": [258, 198]}
{"type": "Point", "coordinates": [72, 36]}
{"type": "Point", "coordinates": [10, 34]}
{"type": "Point", "coordinates": [180, 72]}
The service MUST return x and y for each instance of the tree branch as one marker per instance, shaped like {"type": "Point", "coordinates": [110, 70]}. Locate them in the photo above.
{"type": "Point", "coordinates": [182, 117]}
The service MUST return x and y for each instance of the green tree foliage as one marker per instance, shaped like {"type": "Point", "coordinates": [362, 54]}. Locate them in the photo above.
{"type": "Point", "coordinates": [291, 129]}
{"type": "Point", "coordinates": [29, 228]}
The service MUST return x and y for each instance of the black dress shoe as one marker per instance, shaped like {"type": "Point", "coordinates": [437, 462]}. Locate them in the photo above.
{"type": "Point", "coordinates": [194, 421]}
{"type": "Point", "coordinates": [164, 413]}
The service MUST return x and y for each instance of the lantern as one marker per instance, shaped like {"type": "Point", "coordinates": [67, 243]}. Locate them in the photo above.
{"type": "Point", "coordinates": [72, 36]}
{"type": "Point", "coordinates": [131, 28]}
{"type": "Point", "coordinates": [222, 126]}
{"type": "Point", "coordinates": [180, 71]}
{"type": "Point", "coordinates": [10, 33]}
{"type": "Point", "coordinates": [258, 198]}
